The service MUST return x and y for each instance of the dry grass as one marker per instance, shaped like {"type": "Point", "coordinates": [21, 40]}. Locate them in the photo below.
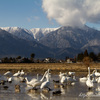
{"type": "Point", "coordinates": [41, 67]}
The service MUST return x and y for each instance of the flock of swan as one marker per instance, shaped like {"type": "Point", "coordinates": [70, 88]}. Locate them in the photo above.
{"type": "Point", "coordinates": [44, 84]}
{"type": "Point", "coordinates": [91, 78]}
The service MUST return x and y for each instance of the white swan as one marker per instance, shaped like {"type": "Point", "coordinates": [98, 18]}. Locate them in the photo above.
{"type": "Point", "coordinates": [39, 82]}
{"type": "Point", "coordinates": [29, 82]}
{"type": "Point", "coordinates": [9, 80]}
{"type": "Point", "coordinates": [60, 75]}
{"type": "Point", "coordinates": [63, 80]}
{"type": "Point", "coordinates": [17, 74]}
{"type": "Point", "coordinates": [83, 79]}
{"type": "Point", "coordinates": [35, 82]}
{"type": "Point", "coordinates": [71, 73]}
{"type": "Point", "coordinates": [8, 73]}
{"type": "Point", "coordinates": [96, 73]}
{"type": "Point", "coordinates": [89, 82]}
{"type": "Point", "coordinates": [46, 84]}
{"type": "Point", "coordinates": [98, 80]}
{"type": "Point", "coordinates": [33, 79]}
{"type": "Point", "coordinates": [22, 73]}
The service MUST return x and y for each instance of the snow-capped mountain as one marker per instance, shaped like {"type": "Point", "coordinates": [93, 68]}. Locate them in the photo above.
{"type": "Point", "coordinates": [52, 42]}
{"type": "Point", "coordinates": [69, 37]}
{"type": "Point", "coordinates": [12, 46]}
{"type": "Point", "coordinates": [34, 33]}
{"type": "Point", "coordinates": [19, 32]}
{"type": "Point", "coordinates": [38, 33]}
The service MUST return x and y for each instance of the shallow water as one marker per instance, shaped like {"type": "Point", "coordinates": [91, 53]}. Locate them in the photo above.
{"type": "Point", "coordinates": [78, 91]}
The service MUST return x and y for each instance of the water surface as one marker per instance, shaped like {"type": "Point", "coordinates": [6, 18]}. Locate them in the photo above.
{"type": "Point", "coordinates": [78, 91]}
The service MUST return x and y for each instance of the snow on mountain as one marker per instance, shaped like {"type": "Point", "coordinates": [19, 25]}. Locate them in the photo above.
{"type": "Point", "coordinates": [66, 37]}
{"type": "Point", "coordinates": [34, 33]}
{"type": "Point", "coordinates": [38, 33]}
{"type": "Point", "coordinates": [58, 42]}
{"type": "Point", "coordinates": [19, 32]}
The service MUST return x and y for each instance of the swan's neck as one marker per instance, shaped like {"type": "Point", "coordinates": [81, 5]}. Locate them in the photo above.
{"type": "Point", "coordinates": [27, 80]}
{"type": "Point", "coordinates": [43, 76]}
{"type": "Point", "coordinates": [37, 76]}
{"type": "Point", "coordinates": [89, 72]}
{"type": "Point", "coordinates": [48, 78]}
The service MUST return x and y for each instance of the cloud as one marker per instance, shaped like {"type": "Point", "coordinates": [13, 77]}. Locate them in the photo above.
{"type": "Point", "coordinates": [72, 12]}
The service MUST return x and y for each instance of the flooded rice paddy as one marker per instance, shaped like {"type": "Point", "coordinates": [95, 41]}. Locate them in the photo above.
{"type": "Point", "coordinates": [77, 91]}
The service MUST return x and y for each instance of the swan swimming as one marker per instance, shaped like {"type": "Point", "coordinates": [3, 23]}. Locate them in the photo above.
{"type": "Point", "coordinates": [35, 82]}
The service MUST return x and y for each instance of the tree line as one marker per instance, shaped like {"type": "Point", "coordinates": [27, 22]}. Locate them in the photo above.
{"type": "Point", "coordinates": [92, 56]}
{"type": "Point", "coordinates": [18, 59]}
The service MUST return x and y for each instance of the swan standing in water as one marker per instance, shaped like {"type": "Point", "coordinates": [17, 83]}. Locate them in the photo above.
{"type": "Point", "coordinates": [60, 75]}
{"type": "Point", "coordinates": [35, 82]}
{"type": "Point", "coordinates": [32, 80]}
{"type": "Point", "coordinates": [17, 74]}
{"type": "Point", "coordinates": [63, 80]}
{"type": "Point", "coordinates": [89, 82]}
{"type": "Point", "coordinates": [22, 73]}
{"type": "Point", "coordinates": [46, 84]}
{"type": "Point", "coordinates": [96, 73]}
{"type": "Point", "coordinates": [39, 82]}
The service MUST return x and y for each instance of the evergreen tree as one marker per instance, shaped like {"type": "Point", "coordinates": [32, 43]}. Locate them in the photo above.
{"type": "Point", "coordinates": [93, 56]}
{"type": "Point", "coordinates": [32, 57]}
{"type": "Point", "coordinates": [86, 53]}
{"type": "Point", "coordinates": [80, 57]}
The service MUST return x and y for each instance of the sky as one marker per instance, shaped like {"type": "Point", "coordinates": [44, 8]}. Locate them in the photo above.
{"type": "Point", "coordinates": [25, 14]}
{"type": "Point", "coordinates": [49, 13]}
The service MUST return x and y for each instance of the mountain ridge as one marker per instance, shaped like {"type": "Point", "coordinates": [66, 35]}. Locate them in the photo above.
{"type": "Point", "coordinates": [56, 43]}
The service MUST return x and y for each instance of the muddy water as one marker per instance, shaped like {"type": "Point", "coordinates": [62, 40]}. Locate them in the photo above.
{"type": "Point", "coordinates": [78, 91]}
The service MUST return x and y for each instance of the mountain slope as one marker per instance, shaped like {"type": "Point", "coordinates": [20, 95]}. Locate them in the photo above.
{"type": "Point", "coordinates": [55, 43]}
{"type": "Point", "coordinates": [68, 37]}
{"type": "Point", "coordinates": [19, 32]}
{"type": "Point", "coordinates": [12, 46]}
{"type": "Point", "coordinates": [38, 33]}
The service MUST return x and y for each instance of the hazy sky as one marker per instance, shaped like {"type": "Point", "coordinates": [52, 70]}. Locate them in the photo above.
{"type": "Point", "coordinates": [49, 13]}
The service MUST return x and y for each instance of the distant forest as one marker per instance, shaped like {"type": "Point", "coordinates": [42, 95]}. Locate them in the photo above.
{"type": "Point", "coordinates": [81, 57]}
{"type": "Point", "coordinates": [92, 56]}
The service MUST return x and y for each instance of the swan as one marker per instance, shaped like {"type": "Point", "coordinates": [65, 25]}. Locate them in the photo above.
{"type": "Point", "coordinates": [9, 80]}
{"type": "Point", "coordinates": [83, 79]}
{"type": "Point", "coordinates": [22, 73]}
{"type": "Point", "coordinates": [71, 73]}
{"type": "Point", "coordinates": [8, 74]}
{"type": "Point", "coordinates": [61, 74]}
{"type": "Point", "coordinates": [35, 82]}
{"type": "Point", "coordinates": [32, 80]}
{"type": "Point", "coordinates": [46, 84]}
{"type": "Point", "coordinates": [98, 80]}
{"type": "Point", "coordinates": [96, 73]}
{"type": "Point", "coordinates": [89, 82]}
{"type": "Point", "coordinates": [39, 82]}
{"type": "Point", "coordinates": [17, 74]}
{"type": "Point", "coordinates": [63, 80]}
